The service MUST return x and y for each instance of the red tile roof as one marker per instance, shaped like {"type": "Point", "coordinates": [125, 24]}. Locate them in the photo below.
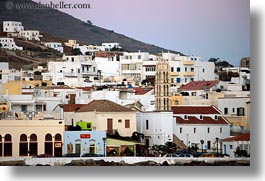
{"type": "Point", "coordinates": [71, 107]}
{"type": "Point", "coordinates": [104, 106]}
{"type": "Point", "coordinates": [243, 137]}
{"type": "Point", "coordinates": [195, 110]}
{"type": "Point", "coordinates": [141, 91]}
{"type": "Point", "coordinates": [205, 120]}
{"type": "Point", "coordinates": [86, 88]}
{"type": "Point", "coordinates": [199, 85]}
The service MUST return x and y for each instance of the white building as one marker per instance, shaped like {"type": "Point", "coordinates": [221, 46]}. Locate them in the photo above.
{"type": "Point", "coordinates": [136, 67]}
{"type": "Point", "coordinates": [233, 105]}
{"type": "Point", "coordinates": [4, 71]}
{"type": "Point", "coordinates": [9, 43]}
{"type": "Point", "coordinates": [55, 45]}
{"type": "Point", "coordinates": [78, 71]}
{"type": "Point", "coordinates": [109, 46]}
{"type": "Point", "coordinates": [30, 35]}
{"type": "Point", "coordinates": [157, 127]}
{"type": "Point", "coordinates": [12, 26]}
{"type": "Point", "coordinates": [240, 142]}
{"type": "Point", "coordinates": [185, 69]}
{"type": "Point", "coordinates": [195, 123]}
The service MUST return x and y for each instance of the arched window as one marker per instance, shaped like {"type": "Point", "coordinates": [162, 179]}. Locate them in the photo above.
{"type": "Point", "coordinates": [23, 145]}
{"type": "Point", "coordinates": [33, 145]}
{"type": "Point", "coordinates": [8, 145]}
{"type": "Point", "coordinates": [1, 146]}
{"type": "Point", "coordinates": [58, 137]}
{"type": "Point", "coordinates": [48, 144]}
{"type": "Point", "coordinates": [92, 146]}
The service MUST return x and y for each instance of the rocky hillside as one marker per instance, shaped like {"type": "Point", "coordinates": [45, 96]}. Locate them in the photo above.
{"type": "Point", "coordinates": [62, 25]}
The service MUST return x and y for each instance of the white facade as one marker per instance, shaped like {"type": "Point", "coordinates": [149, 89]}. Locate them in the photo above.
{"type": "Point", "coordinates": [131, 66]}
{"type": "Point", "coordinates": [12, 26]}
{"type": "Point", "coordinates": [229, 147]}
{"type": "Point", "coordinates": [30, 35]}
{"type": "Point", "coordinates": [185, 69]}
{"type": "Point", "coordinates": [109, 46]}
{"type": "Point", "coordinates": [79, 70]}
{"type": "Point", "coordinates": [233, 105]}
{"type": "Point", "coordinates": [157, 127]}
{"type": "Point", "coordinates": [4, 71]}
{"type": "Point", "coordinates": [9, 43]}
{"type": "Point", "coordinates": [55, 45]}
{"type": "Point", "coordinates": [110, 68]}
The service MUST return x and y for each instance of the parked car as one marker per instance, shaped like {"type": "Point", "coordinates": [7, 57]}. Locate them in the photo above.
{"type": "Point", "coordinates": [186, 155]}
{"type": "Point", "coordinates": [71, 155]}
{"type": "Point", "coordinates": [92, 155]}
{"type": "Point", "coordinates": [171, 155]}
{"type": "Point", "coordinates": [208, 155]}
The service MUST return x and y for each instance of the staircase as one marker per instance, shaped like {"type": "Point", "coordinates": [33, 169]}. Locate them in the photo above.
{"type": "Point", "coordinates": [178, 142]}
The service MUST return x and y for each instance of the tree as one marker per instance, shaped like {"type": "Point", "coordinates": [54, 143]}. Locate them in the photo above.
{"type": "Point", "coordinates": [76, 51]}
{"type": "Point", "coordinates": [213, 60]}
{"type": "Point", "coordinates": [89, 22]}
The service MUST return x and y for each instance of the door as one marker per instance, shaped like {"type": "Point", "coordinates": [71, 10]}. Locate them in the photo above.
{"type": "Point", "coordinates": [78, 148]}
{"type": "Point", "coordinates": [224, 149]}
{"type": "Point", "coordinates": [110, 126]}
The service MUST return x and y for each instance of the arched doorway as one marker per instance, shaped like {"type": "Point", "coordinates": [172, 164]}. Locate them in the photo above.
{"type": "Point", "coordinates": [23, 145]}
{"type": "Point", "coordinates": [33, 145]}
{"type": "Point", "coordinates": [48, 145]}
{"type": "Point", "coordinates": [8, 146]}
{"type": "Point", "coordinates": [1, 146]}
{"type": "Point", "coordinates": [58, 145]}
{"type": "Point", "coordinates": [92, 146]}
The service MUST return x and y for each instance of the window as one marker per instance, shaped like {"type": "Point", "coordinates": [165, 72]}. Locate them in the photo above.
{"type": "Point", "coordinates": [172, 69]}
{"type": "Point", "coordinates": [180, 130]}
{"type": "Point", "coordinates": [240, 111]}
{"type": "Point", "coordinates": [146, 124]}
{"type": "Point", "coordinates": [194, 130]}
{"type": "Point", "coordinates": [72, 59]}
{"type": "Point", "coordinates": [215, 117]}
{"type": "Point", "coordinates": [24, 108]}
{"type": "Point", "coordinates": [225, 110]}
{"type": "Point", "coordinates": [221, 130]}
{"type": "Point", "coordinates": [208, 130]}
{"type": "Point", "coordinates": [139, 56]}
{"type": "Point", "coordinates": [119, 120]}
{"type": "Point", "coordinates": [231, 147]}
{"type": "Point", "coordinates": [208, 144]}
{"type": "Point", "coordinates": [8, 145]}
{"type": "Point", "coordinates": [178, 69]}
{"type": "Point", "coordinates": [186, 80]}
{"type": "Point", "coordinates": [94, 69]}
{"type": "Point", "coordinates": [192, 69]}
{"type": "Point", "coordinates": [23, 145]}
{"type": "Point", "coordinates": [127, 123]}
{"type": "Point", "coordinates": [58, 137]}
{"type": "Point", "coordinates": [201, 117]}
{"type": "Point", "coordinates": [233, 110]}
{"type": "Point", "coordinates": [33, 145]}
{"type": "Point", "coordinates": [178, 80]}
{"type": "Point", "coordinates": [191, 79]}
{"type": "Point", "coordinates": [203, 70]}
{"type": "Point", "coordinates": [186, 69]}
{"type": "Point", "coordinates": [185, 117]}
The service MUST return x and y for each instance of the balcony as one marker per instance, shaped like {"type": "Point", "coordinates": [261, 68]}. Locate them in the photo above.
{"type": "Point", "coordinates": [189, 73]}
{"type": "Point", "coordinates": [188, 62]}
{"type": "Point", "coordinates": [174, 73]}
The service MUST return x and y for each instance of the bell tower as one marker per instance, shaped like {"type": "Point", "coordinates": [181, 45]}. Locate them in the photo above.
{"type": "Point", "coordinates": [162, 85]}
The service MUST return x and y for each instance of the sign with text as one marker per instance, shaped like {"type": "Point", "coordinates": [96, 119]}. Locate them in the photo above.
{"type": "Point", "coordinates": [85, 136]}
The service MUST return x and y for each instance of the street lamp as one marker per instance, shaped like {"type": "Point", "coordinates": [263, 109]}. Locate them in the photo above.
{"type": "Point", "coordinates": [217, 139]}
{"type": "Point", "coordinates": [104, 144]}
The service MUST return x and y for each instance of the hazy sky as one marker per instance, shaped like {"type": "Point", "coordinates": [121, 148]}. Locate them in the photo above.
{"type": "Point", "coordinates": [206, 28]}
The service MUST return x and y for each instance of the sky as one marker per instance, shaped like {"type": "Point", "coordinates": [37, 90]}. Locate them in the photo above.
{"type": "Point", "coordinates": [206, 28]}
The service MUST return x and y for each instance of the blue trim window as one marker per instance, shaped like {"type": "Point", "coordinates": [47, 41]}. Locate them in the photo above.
{"type": "Point", "coordinates": [178, 80]}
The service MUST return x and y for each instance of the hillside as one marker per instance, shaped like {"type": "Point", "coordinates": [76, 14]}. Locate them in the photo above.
{"type": "Point", "coordinates": [62, 25]}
